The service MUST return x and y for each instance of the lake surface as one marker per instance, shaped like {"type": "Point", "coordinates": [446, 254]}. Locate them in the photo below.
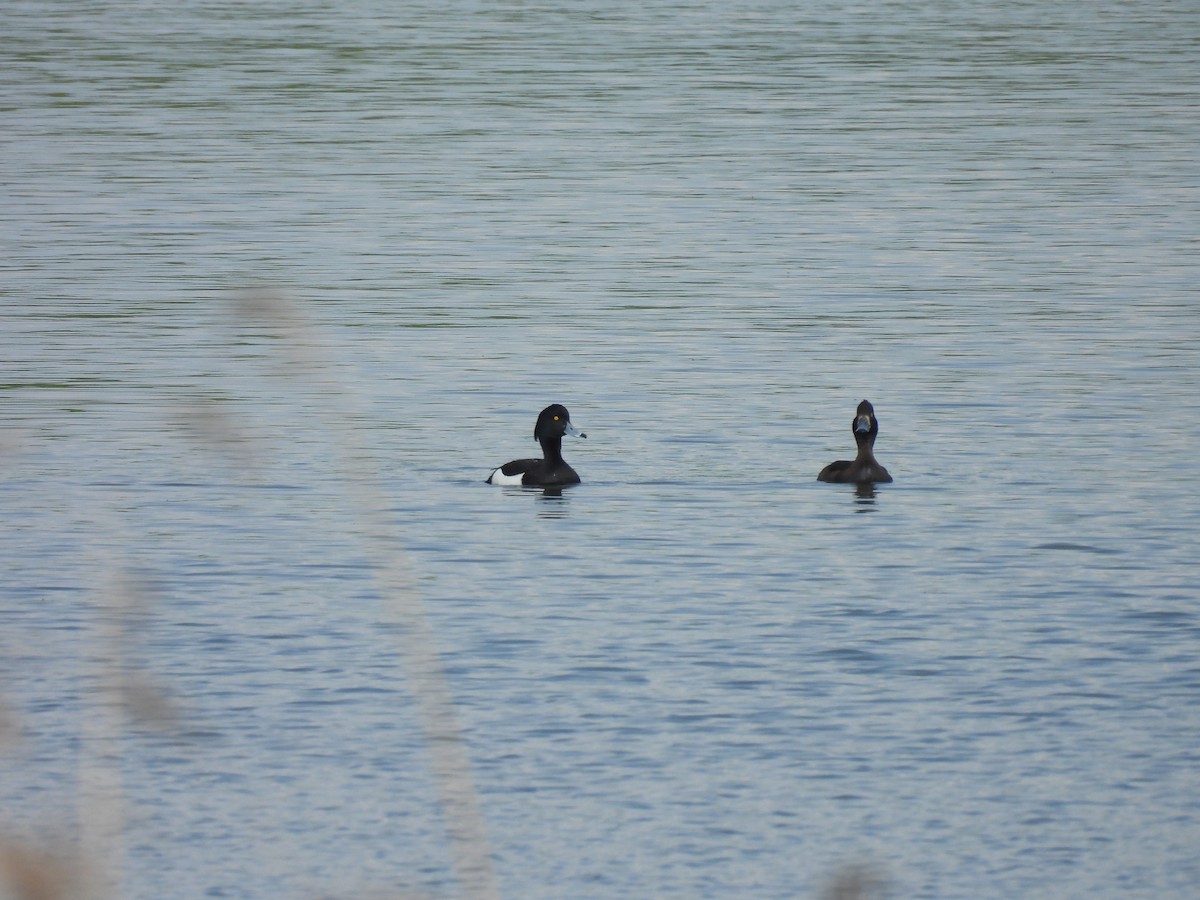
{"type": "Point", "coordinates": [283, 281]}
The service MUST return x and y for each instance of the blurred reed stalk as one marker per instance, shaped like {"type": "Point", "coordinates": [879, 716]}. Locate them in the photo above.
{"type": "Point", "coordinates": [305, 353]}
{"type": "Point", "coordinates": [101, 788]}
{"type": "Point", "coordinates": [120, 696]}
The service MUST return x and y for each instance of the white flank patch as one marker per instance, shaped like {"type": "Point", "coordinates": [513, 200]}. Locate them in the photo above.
{"type": "Point", "coordinates": [498, 477]}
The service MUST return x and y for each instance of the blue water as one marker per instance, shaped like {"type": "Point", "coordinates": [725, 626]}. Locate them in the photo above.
{"type": "Point", "coordinates": [283, 282]}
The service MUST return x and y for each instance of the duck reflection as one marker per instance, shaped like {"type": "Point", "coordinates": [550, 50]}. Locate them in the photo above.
{"type": "Point", "coordinates": [551, 499]}
{"type": "Point", "coordinates": [864, 497]}
{"type": "Point", "coordinates": [551, 502]}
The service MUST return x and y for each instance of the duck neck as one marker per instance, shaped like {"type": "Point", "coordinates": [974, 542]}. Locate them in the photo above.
{"type": "Point", "coordinates": [552, 449]}
{"type": "Point", "coordinates": [866, 445]}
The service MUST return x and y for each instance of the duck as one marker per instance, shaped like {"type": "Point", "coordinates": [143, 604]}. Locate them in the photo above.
{"type": "Point", "coordinates": [864, 469]}
{"type": "Point", "coordinates": [553, 423]}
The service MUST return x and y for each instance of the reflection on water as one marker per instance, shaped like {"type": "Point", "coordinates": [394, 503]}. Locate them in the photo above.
{"type": "Point", "coordinates": [864, 496]}
{"type": "Point", "coordinates": [715, 232]}
{"type": "Point", "coordinates": [552, 502]}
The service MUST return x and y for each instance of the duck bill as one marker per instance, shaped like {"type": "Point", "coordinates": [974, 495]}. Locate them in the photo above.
{"type": "Point", "coordinates": [862, 424]}
{"type": "Point", "coordinates": [573, 431]}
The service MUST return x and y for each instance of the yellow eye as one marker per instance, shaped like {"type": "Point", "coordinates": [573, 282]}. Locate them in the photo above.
{"type": "Point", "coordinates": [556, 418]}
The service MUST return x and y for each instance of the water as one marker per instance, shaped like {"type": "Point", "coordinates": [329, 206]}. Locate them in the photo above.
{"type": "Point", "coordinates": [710, 230]}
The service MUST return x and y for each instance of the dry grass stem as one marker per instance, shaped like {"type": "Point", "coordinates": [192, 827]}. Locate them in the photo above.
{"type": "Point", "coordinates": [362, 483]}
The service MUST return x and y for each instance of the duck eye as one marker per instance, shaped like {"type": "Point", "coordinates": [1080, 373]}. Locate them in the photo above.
{"type": "Point", "coordinates": [556, 418]}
